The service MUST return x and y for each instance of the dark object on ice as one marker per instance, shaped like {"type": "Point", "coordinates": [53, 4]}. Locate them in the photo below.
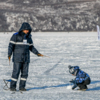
{"type": "Point", "coordinates": [82, 79]}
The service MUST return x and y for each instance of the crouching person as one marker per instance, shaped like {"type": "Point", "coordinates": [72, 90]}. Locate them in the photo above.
{"type": "Point", "coordinates": [82, 79]}
{"type": "Point", "coordinates": [20, 45]}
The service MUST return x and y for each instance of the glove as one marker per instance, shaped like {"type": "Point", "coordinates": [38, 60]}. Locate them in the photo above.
{"type": "Point", "coordinates": [9, 57]}
{"type": "Point", "coordinates": [40, 55]}
{"type": "Point", "coordinates": [73, 81]}
{"type": "Point", "coordinates": [74, 86]}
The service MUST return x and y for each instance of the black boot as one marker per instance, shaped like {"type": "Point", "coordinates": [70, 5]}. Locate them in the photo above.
{"type": "Point", "coordinates": [12, 89]}
{"type": "Point", "coordinates": [22, 85]}
{"type": "Point", "coordinates": [22, 89]}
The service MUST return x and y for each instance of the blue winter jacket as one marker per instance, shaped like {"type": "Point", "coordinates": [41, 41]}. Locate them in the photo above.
{"type": "Point", "coordinates": [21, 44]}
{"type": "Point", "coordinates": [81, 76]}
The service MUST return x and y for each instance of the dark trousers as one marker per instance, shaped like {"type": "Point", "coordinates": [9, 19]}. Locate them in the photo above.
{"type": "Point", "coordinates": [17, 68]}
{"type": "Point", "coordinates": [84, 84]}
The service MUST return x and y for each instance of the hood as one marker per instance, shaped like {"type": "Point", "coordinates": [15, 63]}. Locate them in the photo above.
{"type": "Point", "coordinates": [73, 69]}
{"type": "Point", "coordinates": [25, 26]}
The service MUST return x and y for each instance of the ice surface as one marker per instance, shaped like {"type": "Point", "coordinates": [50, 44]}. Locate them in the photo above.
{"type": "Point", "coordinates": [49, 77]}
{"type": "Point", "coordinates": [69, 87]}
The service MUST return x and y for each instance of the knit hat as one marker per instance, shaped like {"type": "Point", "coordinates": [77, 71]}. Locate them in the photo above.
{"type": "Point", "coordinates": [73, 69]}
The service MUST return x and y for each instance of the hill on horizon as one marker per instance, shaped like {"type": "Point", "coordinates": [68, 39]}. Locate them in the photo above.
{"type": "Point", "coordinates": [50, 15]}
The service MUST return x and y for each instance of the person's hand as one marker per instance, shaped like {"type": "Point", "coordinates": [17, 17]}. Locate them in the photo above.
{"type": "Point", "coordinates": [74, 86]}
{"type": "Point", "coordinates": [40, 55]}
{"type": "Point", "coordinates": [72, 81]}
{"type": "Point", "coordinates": [9, 57]}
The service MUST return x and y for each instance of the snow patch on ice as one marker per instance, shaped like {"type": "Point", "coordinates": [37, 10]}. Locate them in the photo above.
{"type": "Point", "coordinates": [69, 87]}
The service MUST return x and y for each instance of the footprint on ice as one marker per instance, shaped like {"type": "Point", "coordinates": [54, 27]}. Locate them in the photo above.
{"type": "Point", "coordinates": [69, 87]}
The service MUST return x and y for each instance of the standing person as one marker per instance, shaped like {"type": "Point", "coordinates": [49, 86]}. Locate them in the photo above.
{"type": "Point", "coordinates": [82, 79]}
{"type": "Point", "coordinates": [20, 45]}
